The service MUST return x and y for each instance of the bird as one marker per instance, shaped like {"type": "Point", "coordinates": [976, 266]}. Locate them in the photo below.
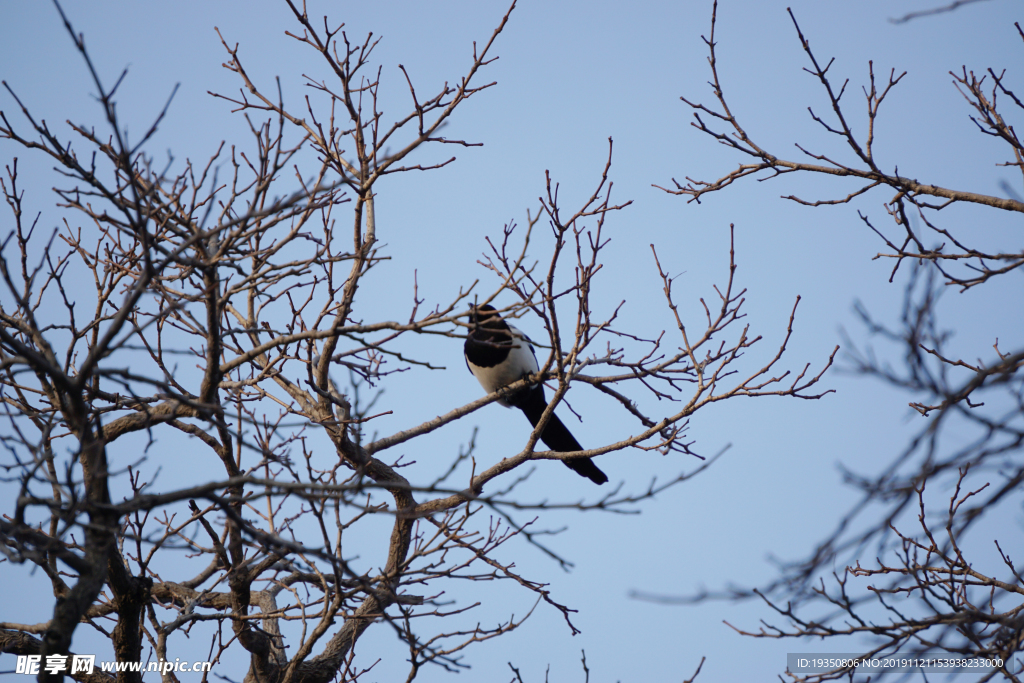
{"type": "Point", "coordinates": [498, 354]}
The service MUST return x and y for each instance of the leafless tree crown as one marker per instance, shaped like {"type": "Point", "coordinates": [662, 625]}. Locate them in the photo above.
{"type": "Point", "coordinates": [910, 587]}
{"type": "Point", "coordinates": [223, 307]}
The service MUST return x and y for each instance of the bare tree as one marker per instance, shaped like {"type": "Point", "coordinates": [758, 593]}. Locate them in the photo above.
{"type": "Point", "coordinates": [912, 584]}
{"type": "Point", "coordinates": [189, 308]}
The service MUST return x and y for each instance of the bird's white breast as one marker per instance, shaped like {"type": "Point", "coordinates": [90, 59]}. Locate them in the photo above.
{"type": "Point", "coordinates": [521, 361]}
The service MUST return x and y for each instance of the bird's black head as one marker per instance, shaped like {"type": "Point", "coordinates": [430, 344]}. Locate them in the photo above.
{"type": "Point", "coordinates": [484, 315]}
{"type": "Point", "coordinates": [487, 324]}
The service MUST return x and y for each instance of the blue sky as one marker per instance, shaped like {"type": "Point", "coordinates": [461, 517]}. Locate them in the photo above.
{"type": "Point", "coordinates": [569, 76]}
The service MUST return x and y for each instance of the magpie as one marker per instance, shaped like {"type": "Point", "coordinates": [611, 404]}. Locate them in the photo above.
{"type": "Point", "coordinates": [498, 354]}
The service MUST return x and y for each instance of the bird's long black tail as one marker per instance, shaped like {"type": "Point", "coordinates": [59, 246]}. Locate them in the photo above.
{"type": "Point", "coordinates": [557, 436]}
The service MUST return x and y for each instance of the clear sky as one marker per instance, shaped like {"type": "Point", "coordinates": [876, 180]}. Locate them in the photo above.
{"type": "Point", "coordinates": [570, 75]}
